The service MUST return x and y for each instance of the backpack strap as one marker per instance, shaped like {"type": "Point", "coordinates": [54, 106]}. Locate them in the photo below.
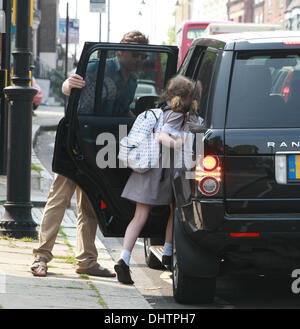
{"type": "Point", "coordinates": [156, 118]}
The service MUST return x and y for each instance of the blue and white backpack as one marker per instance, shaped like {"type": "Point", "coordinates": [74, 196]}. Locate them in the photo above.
{"type": "Point", "coordinates": [140, 150]}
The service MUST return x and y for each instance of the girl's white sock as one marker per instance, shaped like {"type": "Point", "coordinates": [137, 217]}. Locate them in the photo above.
{"type": "Point", "coordinates": [125, 255]}
{"type": "Point", "coordinates": [168, 249]}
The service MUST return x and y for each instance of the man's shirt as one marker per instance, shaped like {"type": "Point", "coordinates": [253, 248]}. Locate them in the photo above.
{"type": "Point", "coordinates": [116, 93]}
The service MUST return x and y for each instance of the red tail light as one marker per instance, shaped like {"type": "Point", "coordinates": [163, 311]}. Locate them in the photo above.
{"type": "Point", "coordinates": [210, 163]}
{"type": "Point", "coordinates": [103, 205]}
{"type": "Point", "coordinates": [208, 174]}
{"type": "Point", "coordinates": [245, 235]}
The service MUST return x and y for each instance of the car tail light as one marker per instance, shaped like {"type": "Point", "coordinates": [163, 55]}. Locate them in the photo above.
{"type": "Point", "coordinates": [208, 175]}
{"type": "Point", "coordinates": [245, 235]}
{"type": "Point", "coordinates": [285, 93]}
{"type": "Point", "coordinates": [210, 163]}
{"type": "Point", "coordinates": [103, 205]}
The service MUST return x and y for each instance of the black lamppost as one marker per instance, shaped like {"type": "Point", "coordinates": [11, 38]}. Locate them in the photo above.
{"type": "Point", "coordinates": [5, 77]}
{"type": "Point", "coordinates": [17, 220]}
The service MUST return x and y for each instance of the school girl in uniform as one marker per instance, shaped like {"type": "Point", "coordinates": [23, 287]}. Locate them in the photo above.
{"type": "Point", "coordinates": [154, 188]}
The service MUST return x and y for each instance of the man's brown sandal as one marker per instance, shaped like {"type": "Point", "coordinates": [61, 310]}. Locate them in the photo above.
{"type": "Point", "coordinates": [97, 270]}
{"type": "Point", "coordinates": [39, 267]}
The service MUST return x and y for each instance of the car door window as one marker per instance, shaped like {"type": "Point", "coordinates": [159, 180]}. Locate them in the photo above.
{"type": "Point", "coordinates": [126, 82]}
{"type": "Point", "coordinates": [204, 78]}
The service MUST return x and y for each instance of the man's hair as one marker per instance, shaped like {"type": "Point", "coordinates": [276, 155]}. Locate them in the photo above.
{"type": "Point", "coordinates": [135, 37]}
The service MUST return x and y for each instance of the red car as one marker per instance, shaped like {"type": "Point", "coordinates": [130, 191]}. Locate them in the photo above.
{"type": "Point", "coordinates": [38, 97]}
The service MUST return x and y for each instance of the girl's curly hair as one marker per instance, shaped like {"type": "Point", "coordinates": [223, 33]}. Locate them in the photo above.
{"type": "Point", "coordinates": [178, 88]}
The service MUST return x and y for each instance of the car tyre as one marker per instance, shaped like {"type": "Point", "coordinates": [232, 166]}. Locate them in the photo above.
{"type": "Point", "coordinates": [188, 289]}
{"type": "Point", "coordinates": [151, 260]}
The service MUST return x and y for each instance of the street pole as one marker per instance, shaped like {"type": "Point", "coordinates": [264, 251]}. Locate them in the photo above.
{"type": "Point", "coordinates": [76, 16]}
{"type": "Point", "coordinates": [108, 20]}
{"type": "Point", "coordinates": [67, 50]}
{"type": "Point", "coordinates": [5, 77]}
{"type": "Point", "coordinates": [100, 26]}
{"type": "Point", "coordinates": [17, 221]}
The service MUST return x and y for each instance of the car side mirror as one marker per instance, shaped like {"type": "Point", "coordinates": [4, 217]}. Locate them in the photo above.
{"type": "Point", "coordinates": [145, 103]}
{"type": "Point", "coordinates": [196, 128]}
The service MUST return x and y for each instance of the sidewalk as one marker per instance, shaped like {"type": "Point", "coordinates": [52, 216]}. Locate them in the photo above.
{"type": "Point", "coordinates": [62, 288]}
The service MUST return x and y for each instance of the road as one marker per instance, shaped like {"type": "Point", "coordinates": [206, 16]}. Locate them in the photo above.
{"type": "Point", "coordinates": [156, 285]}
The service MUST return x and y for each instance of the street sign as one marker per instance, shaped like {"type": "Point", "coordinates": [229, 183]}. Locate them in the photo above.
{"type": "Point", "coordinates": [98, 6]}
{"type": "Point", "coordinates": [73, 30]}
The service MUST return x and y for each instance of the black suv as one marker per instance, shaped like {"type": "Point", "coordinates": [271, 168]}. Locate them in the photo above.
{"type": "Point", "coordinates": [241, 212]}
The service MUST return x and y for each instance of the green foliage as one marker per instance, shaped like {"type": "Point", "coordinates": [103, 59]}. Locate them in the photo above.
{"type": "Point", "coordinates": [171, 35]}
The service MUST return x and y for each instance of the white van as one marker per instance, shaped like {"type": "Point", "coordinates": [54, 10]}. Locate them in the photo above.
{"type": "Point", "coordinates": [217, 28]}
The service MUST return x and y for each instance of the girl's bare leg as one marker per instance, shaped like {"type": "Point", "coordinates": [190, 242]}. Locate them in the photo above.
{"type": "Point", "coordinates": [136, 225]}
{"type": "Point", "coordinates": [132, 232]}
{"type": "Point", "coordinates": [169, 229]}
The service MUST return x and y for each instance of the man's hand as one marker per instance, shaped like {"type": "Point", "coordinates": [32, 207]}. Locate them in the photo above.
{"type": "Point", "coordinates": [75, 81]}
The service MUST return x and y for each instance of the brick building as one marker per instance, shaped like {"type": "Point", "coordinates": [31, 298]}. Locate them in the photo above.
{"type": "Point", "coordinates": [258, 11]}
{"type": "Point", "coordinates": [274, 11]}
{"type": "Point", "coordinates": [292, 15]}
{"type": "Point", "coordinates": [183, 12]}
{"type": "Point", "coordinates": [240, 11]}
{"type": "Point", "coordinates": [283, 12]}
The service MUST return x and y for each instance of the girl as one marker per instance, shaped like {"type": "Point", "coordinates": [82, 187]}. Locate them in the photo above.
{"type": "Point", "coordinates": [154, 187]}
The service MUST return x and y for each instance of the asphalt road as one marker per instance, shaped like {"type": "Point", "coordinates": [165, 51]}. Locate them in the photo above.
{"type": "Point", "coordinates": [156, 285]}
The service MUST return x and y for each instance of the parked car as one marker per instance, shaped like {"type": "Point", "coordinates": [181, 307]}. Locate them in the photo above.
{"type": "Point", "coordinates": [240, 212]}
{"type": "Point", "coordinates": [145, 88]}
{"type": "Point", "coordinates": [38, 96]}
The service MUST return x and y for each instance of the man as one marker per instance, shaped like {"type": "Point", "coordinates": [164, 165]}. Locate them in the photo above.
{"type": "Point", "coordinates": [63, 188]}
{"type": "Point", "coordinates": [120, 81]}
{"type": "Point", "coordinates": [75, 64]}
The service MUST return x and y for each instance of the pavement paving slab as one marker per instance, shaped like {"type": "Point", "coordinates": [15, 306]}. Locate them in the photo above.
{"type": "Point", "coordinates": [63, 288]}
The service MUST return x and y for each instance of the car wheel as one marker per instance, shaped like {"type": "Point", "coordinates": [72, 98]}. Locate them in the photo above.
{"type": "Point", "coordinates": [188, 289]}
{"type": "Point", "coordinates": [151, 260]}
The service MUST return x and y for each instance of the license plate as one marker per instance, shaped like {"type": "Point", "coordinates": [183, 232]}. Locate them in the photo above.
{"type": "Point", "coordinates": [294, 167]}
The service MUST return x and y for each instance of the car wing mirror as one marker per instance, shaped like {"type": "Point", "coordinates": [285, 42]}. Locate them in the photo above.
{"type": "Point", "coordinates": [145, 103]}
{"type": "Point", "coordinates": [197, 128]}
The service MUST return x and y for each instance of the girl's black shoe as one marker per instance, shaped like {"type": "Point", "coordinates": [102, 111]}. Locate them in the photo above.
{"type": "Point", "coordinates": [123, 272]}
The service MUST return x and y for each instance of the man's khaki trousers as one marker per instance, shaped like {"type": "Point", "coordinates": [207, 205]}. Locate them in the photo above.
{"type": "Point", "coordinates": [60, 195]}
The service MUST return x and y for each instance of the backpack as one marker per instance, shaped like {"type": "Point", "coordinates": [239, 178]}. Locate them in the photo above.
{"type": "Point", "coordinates": [140, 150]}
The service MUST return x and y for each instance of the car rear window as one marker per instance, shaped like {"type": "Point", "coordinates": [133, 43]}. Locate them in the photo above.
{"type": "Point", "coordinates": [265, 90]}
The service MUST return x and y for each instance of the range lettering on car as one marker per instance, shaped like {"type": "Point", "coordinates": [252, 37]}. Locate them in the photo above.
{"type": "Point", "coordinates": [284, 144]}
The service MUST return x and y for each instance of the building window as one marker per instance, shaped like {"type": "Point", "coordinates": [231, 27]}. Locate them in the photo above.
{"type": "Point", "coordinates": [269, 6]}
{"type": "Point", "coordinates": [281, 3]}
{"type": "Point", "coordinates": [240, 19]}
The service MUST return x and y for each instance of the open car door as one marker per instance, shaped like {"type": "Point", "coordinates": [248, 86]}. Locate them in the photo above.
{"type": "Point", "coordinates": [97, 117]}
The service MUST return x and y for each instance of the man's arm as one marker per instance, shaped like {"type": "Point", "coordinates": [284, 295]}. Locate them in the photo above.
{"type": "Point", "coordinates": [75, 81]}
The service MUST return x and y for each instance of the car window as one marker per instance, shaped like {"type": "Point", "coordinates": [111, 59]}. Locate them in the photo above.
{"type": "Point", "coordinates": [189, 66]}
{"type": "Point", "coordinates": [115, 87]}
{"type": "Point", "coordinates": [204, 79]}
{"type": "Point", "coordinates": [265, 90]}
